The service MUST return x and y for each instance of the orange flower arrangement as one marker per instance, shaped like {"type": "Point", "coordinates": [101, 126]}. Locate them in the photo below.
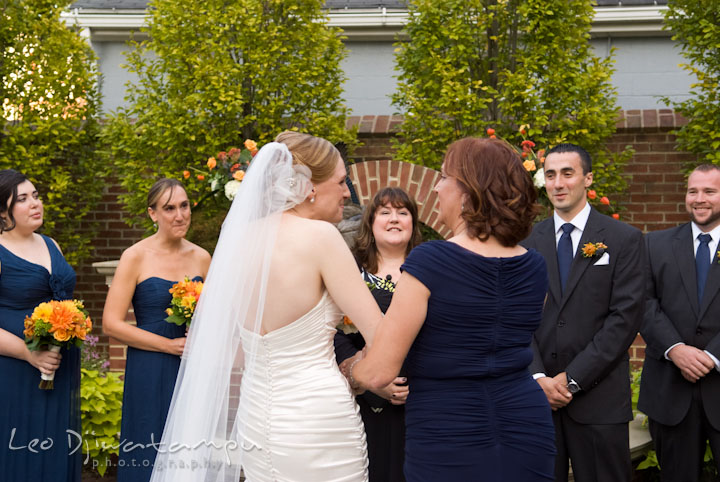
{"type": "Point", "coordinates": [593, 249]}
{"type": "Point", "coordinates": [185, 295]}
{"type": "Point", "coordinates": [225, 171]}
{"type": "Point", "coordinates": [54, 325]}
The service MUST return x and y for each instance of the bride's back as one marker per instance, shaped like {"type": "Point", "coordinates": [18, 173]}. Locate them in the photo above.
{"type": "Point", "coordinates": [295, 283]}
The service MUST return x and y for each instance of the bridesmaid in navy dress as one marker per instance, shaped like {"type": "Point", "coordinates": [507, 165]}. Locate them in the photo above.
{"type": "Point", "coordinates": [39, 429]}
{"type": "Point", "coordinates": [144, 276]}
{"type": "Point", "coordinates": [464, 312]}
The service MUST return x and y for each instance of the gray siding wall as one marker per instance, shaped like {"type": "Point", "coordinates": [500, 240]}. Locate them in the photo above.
{"type": "Point", "coordinates": [646, 68]}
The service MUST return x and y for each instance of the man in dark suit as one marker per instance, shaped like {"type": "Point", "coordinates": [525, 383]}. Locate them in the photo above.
{"type": "Point", "coordinates": [592, 314]}
{"type": "Point", "coordinates": [680, 387]}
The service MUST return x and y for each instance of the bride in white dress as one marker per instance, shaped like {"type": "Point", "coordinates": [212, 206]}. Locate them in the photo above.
{"type": "Point", "coordinates": [258, 386]}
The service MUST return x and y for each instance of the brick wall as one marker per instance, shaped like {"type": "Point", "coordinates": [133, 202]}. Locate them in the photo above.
{"type": "Point", "coordinates": [113, 236]}
{"type": "Point", "coordinates": [655, 197]}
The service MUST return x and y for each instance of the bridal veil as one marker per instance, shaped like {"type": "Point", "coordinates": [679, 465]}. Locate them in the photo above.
{"type": "Point", "coordinates": [202, 438]}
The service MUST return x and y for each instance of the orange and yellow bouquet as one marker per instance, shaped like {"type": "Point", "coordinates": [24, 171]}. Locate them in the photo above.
{"type": "Point", "coordinates": [53, 325]}
{"type": "Point", "coordinates": [185, 295]}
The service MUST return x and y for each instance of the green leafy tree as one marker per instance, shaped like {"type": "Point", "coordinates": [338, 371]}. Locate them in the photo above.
{"type": "Point", "coordinates": [696, 27]}
{"type": "Point", "coordinates": [215, 73]}
{"type": "Point", "coordinates": [470, 65]}
{"type": "Point", "coordinates": [48, 126]}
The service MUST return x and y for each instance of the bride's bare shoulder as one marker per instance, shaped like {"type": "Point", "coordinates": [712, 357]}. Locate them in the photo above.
{"type": "Point", "coordinates": [310, 230]}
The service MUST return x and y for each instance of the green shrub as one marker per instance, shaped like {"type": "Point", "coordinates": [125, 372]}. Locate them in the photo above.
{"type": "Point", "coordinates": [469, 65]}
{"type": "Point", "coordinates": [101, 407]}
{"type": "Point", "coordinates": [696, 27]}
{"type": "Point", "coordinates": [215, 73]}
{"type": "Point", "coordinates": [48, 126]}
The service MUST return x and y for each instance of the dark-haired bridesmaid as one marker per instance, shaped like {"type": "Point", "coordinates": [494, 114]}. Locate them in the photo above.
{"type": "Point", "coordinates": [39, 429]}
{"type": "Point", "coordinates": [144, 276]}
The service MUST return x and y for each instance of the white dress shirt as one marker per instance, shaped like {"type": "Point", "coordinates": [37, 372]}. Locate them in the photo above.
{"type": "Point", "coordinates": [579, 221]}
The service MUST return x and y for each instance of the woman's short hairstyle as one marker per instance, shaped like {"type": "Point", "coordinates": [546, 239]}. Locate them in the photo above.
{"type": "Point", "coordinates": [159, 188]}
{"type": "Point", "coordinates": [10, 179]}
{"type": "Point", "coordinates": [314, 152]}
{"type": "Point", "coordinates": [501, 194]}
{"type": "Point", "coordinates": [365, 250]}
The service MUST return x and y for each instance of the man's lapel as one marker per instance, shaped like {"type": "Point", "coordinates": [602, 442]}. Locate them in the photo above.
{"type": "Point", "coordinates": [682, 246]}
{"type": "Point", "coordinates": [591, 234]}
{"type": "Point", "coordinates": [547, 247]}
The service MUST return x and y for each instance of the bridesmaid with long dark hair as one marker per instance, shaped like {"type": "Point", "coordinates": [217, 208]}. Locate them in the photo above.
{"type": "Point", "coordinates": [144, 276]}
{"type": "Point", "coordinates": [39, 429]}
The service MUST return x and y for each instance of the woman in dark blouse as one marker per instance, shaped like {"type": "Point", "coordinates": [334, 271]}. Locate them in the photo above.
{"type": "Point", "coordinates": [388, 233]}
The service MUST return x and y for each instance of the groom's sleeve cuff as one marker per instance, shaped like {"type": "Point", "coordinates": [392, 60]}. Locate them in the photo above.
{"type": "Point", "coordinates": [542, 375]}
{"type": "Point", "coordinates": [668, 350]}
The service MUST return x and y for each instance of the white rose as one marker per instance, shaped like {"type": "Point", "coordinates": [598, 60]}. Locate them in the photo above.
{"type": "Point", "coordinates": [539, 178]}
{"type": "Point", "coordinates": [214, 185]}
{"type": "Point", "coordinates": [231, 188]}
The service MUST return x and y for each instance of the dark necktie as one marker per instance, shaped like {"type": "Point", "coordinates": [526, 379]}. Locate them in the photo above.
{"type": "Point", "coordinates": [702, 264]}
{"type": "Point", "coordinates": [565, 253]}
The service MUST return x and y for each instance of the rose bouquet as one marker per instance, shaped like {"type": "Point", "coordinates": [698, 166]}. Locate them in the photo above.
{"type": "Point", "coordinates": [53, 325]}
{"type": "Point", "coordinates": [185, 295]}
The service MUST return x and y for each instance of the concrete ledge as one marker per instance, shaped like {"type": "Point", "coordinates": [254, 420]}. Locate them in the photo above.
{"type": "Point", "coordinates": [640, 440]}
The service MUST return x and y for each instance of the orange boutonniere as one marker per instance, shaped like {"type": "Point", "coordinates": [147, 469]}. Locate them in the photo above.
{"type": "Point", "coordinates": [593, 249]}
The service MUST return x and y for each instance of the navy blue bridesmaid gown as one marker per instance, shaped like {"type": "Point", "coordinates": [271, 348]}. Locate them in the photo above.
{"type": "Point", "coordinates": [39, 429]}
{"type": "Point", "coordinates": [149, 383]}
{"type": "Point", "coordinates": [474, 411]}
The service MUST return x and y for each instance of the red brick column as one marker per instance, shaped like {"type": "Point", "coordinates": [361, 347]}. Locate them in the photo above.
{"type": "Point", "coordinates": [370, 176]}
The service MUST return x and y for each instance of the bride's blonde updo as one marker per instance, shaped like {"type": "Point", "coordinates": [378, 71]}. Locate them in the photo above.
{"type": "Point", "coordinates": [314, 152]}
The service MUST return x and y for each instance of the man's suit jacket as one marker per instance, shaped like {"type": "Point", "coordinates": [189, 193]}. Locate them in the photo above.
{"type": "Point", "coordinates": [672, 315]}
{"type": "Point", "coordinates": [587, 330]}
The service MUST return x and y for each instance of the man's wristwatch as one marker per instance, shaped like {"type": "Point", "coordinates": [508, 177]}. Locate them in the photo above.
{"type": "Point", "coordinates": [572, 385]}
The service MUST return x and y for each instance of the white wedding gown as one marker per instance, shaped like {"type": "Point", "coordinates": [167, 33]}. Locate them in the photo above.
{"type": "Point", "coordinates": [301, 421]}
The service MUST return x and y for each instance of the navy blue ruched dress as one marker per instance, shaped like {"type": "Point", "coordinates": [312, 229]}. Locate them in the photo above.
{"type": "Point", "coordinates": [39, 429]}
{"type": "Point", "coordinates": [149, 383]}
{"type": "Point", "coordinates": [474, 411]}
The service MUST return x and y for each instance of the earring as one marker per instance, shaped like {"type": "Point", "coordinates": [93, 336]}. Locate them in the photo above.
{"type": "Point", "coordinates": [312, 199]}
{"type": "Point", "coordinates": [462, 207]}
{"type": "Point", "coordinates": [155, 226]}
